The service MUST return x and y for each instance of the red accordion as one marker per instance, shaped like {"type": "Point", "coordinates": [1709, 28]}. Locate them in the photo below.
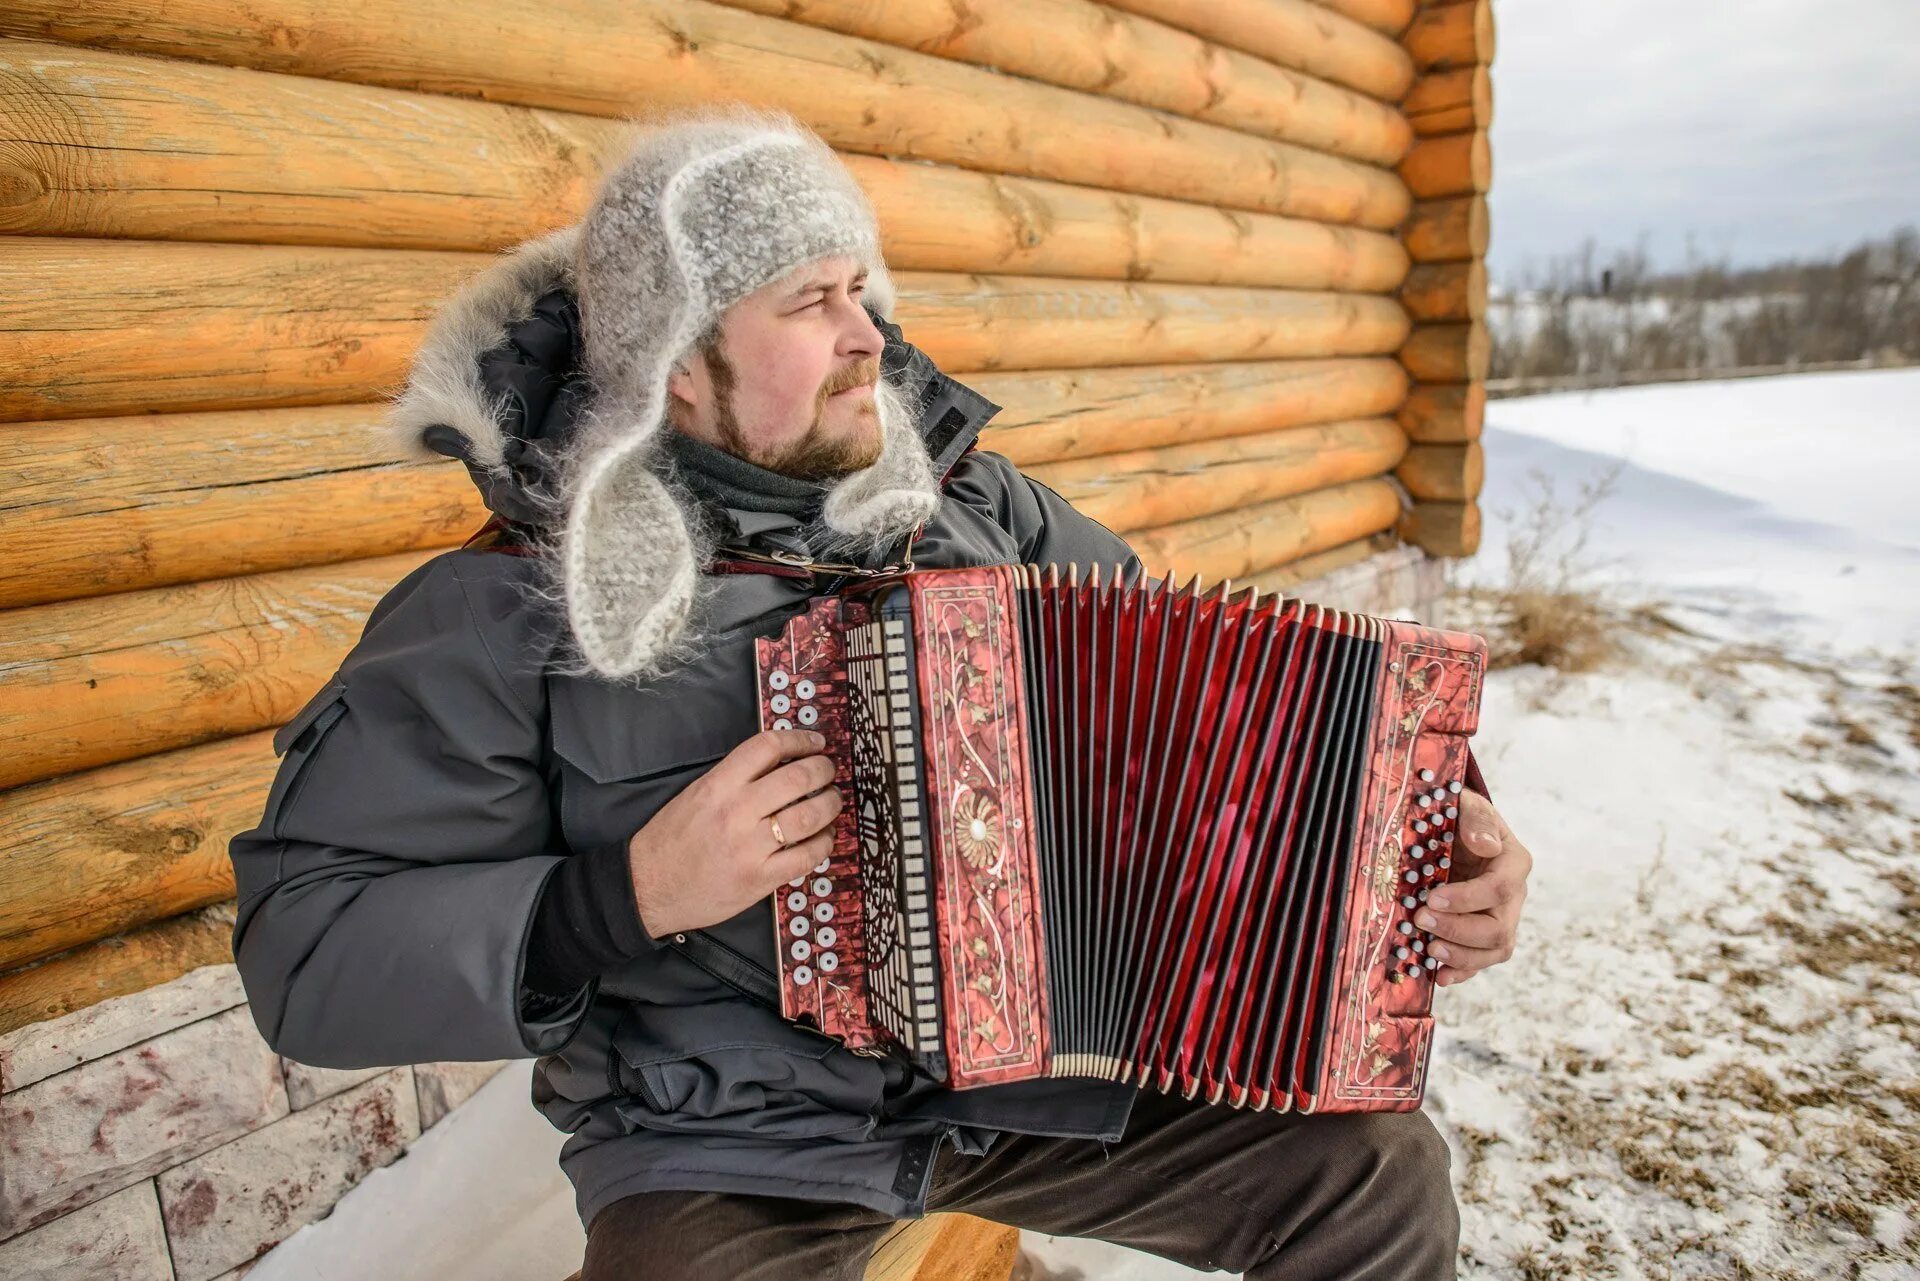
{"type": "Point", "coordinates": [1134, 832]}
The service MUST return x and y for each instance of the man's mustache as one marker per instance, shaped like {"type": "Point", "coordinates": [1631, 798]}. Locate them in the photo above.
{"type": "Point", "coordinates": [860, 375]}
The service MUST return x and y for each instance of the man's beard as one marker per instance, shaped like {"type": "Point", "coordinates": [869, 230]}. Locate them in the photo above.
{"type": "Point", "coordinates": [818, 453]}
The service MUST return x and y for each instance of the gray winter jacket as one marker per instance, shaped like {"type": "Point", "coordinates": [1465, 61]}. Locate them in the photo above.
{"type": "Point", "coordinates": [427, 792]}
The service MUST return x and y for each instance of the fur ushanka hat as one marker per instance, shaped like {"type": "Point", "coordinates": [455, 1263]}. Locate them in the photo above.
{"type": "Point", "coordinates": [701, 212]}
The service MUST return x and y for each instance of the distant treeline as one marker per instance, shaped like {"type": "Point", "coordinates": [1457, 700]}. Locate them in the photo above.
{"type": "Point", "coordinates": [1577, 317]}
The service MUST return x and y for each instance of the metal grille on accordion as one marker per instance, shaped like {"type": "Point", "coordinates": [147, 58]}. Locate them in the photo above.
{"type": "Point", "coordinates": [1125, 830]}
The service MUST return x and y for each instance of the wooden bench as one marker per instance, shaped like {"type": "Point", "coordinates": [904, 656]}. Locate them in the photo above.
{"type": "Point", "coordinates": [942, 1247]}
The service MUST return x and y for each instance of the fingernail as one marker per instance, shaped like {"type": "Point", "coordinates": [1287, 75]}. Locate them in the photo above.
{"type": "Point", "coordinates": [1437, 900]}
{"type": "Point", "coordinates": [1439, 952]}
{"type": "Point", "coordinates": [819, 739]}
{"type": "Point", "coordinates": [1424, 920]}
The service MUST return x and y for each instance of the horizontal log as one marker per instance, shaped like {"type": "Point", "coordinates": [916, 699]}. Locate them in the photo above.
{"type": "Point", "coordinates": [1454, 164]}
{"type": "Point", "coordinates": [110, 327]}
{"type": "Point", "coordinates": [1081, 45]}
{"type": "Point", "coordinates": [1281, 580]}
{"type": "Point", "coordinates": [633, 59]}
{"type": "Point", "coordinates": [1450, 101]}
{"type": "Point", "coordinates": [1448, 230]}
{"type": "Point", "coordinates": [103, 505]}
{"type": "Point", "coordinates": [1451, 35]}
{"type": "Point", "coordinates": [1388, 17]}
{"type": "Point", "coordinates": [1451, 473]}
{"type": "Point", "coordinates": [1051, 416]}
{"type": "Point", "coordinates": [106, 850]}
{"type": "Point", "coordinates": [133, 962]}
{"type": "Point", "coordinates": [409, 170]}
{"type": "Point", "coordinates": [1293, 33]}
{"type": "Point", "coordinates": [1447, 353]}
{"type": "Point", "coordinates": [1145, 488]}
{"type": "Point", "coordinates": [1234, 544]}
{"type": "Point", "coordinates": [91, 682]}
{"type": "Point", "coordinates": [1443, 529]}
{"type": "Point", "coordinates": [937, 218]}
{"type": "Point", "coordinates": [969, 323]}
{"type": "Point", "coordinates": [1446, 291]}
{"type": "Point", "coordinates": [1444, 413]}
{"type": "Point", "coordinates": [98, 327]}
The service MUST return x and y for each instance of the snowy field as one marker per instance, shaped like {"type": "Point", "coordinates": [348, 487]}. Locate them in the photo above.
{"type": "Point", "coordinates": [1701, 1060]}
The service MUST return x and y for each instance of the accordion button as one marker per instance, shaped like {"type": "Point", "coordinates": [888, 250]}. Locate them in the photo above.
{"type": "Point", "coordinates": [823, 912]}
{"type": "Point", "coordinates": [825, 936]}
{"type": "Point", "coordinates": [802, 975]}
{"type": "Point", "coordinates": [783, 723]}
{"type": "Point", "coordinates": [797, 882]}
{"type": "Point", "coordinates": [1454, 787]}
{"type": "Point", "coordinates": [801, 949]}
{"type": "Point", "coordinates": [1408, 900]}
{"type": "Point", "coordinates": [1413, 877]}
{"type": "Point", "coordinates": [1402, 952]}
{"type": "Point", "coordinates": [1420, 825]}
{"type": "Point", "coordinates": [798, 927]}
{"type": "Point", "coordinates": [1413, 971]}
{"type": "Point", "coordinates": [821, 866]}
{"type": "Point", "coordinates": [797, 901]}
{"type": "Point", "coordinates": [1432, 964]}
{"type": "Point", "coordinates": [1446, 838]}
{"type": "Point", "coordinates": [828, 962]}
{"type": "Point", "coordinates": [1406, 927]}
{"type": "Point", "coordinates": [1453, 811]}
{"type": "Point", "coordinates": [1419, 945]}
{"type": "Point", "coordinates": [803, 690]}
{"type": "Point", "coordinates": [1426, 776]}
{"type": "Point", "coordinates": [822, 887]}
{"type": "Point", "coordinates": [1423, 800]}
{"type": "Point", "coordinates": [1433, 843]}
{"type": "Point", "coordinates": [1414, 850]}
{"type": "Point", "coordinates": [1426, 869]}
{"type": "Point", "coordinates": [808, 715]}
{"type": "Point", "coordinates": [780, 704]}
{"type": "Point", "coordinates": [1445, 862]}
{"type": "Point", "coordinates": [776, 680]}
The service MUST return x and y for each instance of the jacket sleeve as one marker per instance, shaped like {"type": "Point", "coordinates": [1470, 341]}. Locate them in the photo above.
{"type": "Point", "coordinates": [386, 896]}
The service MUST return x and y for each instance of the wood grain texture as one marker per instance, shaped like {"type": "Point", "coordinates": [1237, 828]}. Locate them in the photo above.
{"type": "Point", "coordinates": [106, 850]}
{"type": "Point", "coordinates": [1152, 487]}
{"type": "Point", "coordinates": [635, 58]}
{"type": "Point", "coordinates": [1054, 415]}
{"type": "Point", "coordinates": [1293, 33]}
{"type": "Point", "coordinates": [103, 505]}
{"type": "Point", "coordinates": [1451, 35]}
{"type": "Point", "coordinates": [1081, 45]}
{"type": "Point", "coordinates": [1449, 229]}
{"type": "Point", "coordinates": [946, 1247]}
{"type": "Point", "coordinates": [1446, 353]}
{"type": "Point", "coordinates": [90, 682]}
{"type": "Point", "coordinates": [1444, 529]}
{"type": "Point", "coordinates": [1444, 413]}
{"type": "Point", "coordinates": [1234, 544]}
{"type": "Point", "coordinates": [1450, 101]}
{"type": "Point", "coordinates": [101, 328]}
{"type": "Point", "coordinates": [132, 962]}
{"type": "Point", "coordinates": [244, 163]}
{"type": "Point", "coordinates": [1388, 17]}
{"type": "Point", "coordinates": [1450, 473]}
{"type": "Point", "coordinates": [1445, 291]}
{"type": "Point", "coordinates": [1454, 164]}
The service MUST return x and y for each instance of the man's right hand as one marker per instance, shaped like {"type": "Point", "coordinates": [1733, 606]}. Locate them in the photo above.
{"type": "Point", "coordinates": [709, 853]}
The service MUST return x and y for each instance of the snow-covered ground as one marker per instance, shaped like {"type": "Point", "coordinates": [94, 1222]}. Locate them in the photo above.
{"type": "Point", "coordinates": [1701, 1061]}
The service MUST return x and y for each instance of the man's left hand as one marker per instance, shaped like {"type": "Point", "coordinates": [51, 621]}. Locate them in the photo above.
{"type": "Point", "coordinates": [1474, 917]}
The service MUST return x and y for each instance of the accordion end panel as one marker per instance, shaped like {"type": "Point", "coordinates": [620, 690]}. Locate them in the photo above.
{"type": "Point", "coordinates": [980, 826]}
{"type": "Point", "coordinates": [1427, 706]}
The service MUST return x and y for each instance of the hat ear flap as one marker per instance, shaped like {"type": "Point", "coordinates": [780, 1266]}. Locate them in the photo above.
{"type": "Point", "coordinates": [631, 564]}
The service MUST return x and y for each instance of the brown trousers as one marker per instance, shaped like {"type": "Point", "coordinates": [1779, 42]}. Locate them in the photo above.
{"type": "Point", "coordinates": [1307, 1198]}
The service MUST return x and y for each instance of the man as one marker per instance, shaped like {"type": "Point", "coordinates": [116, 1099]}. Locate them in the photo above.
{"type": "Point", "coordinates": [532, 814]}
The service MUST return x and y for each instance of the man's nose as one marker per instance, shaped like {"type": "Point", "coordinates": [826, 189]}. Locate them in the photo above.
{"type": "Point", "coordinates": [860, 336]}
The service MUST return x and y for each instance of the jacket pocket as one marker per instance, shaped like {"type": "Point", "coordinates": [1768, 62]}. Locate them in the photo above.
{"type": "Point", "coordinates": [295, 743]}
{"type": "Point", "coordinates": [728, 1067]}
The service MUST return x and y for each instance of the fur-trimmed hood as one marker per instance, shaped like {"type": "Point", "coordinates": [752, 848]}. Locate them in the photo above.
{"type": "Point", "coordinates": [499, 383]}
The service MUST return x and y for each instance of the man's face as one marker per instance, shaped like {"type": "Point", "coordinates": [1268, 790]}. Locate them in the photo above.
{"type": "Point", "coordinates": [790, 387]}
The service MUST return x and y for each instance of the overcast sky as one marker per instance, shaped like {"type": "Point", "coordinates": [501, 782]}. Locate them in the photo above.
{"type": "Point", "coordinates": [1765, 127]}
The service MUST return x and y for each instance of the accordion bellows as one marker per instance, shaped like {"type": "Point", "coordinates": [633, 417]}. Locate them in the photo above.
{"type": "Point", "coordinates": [1127, 831]}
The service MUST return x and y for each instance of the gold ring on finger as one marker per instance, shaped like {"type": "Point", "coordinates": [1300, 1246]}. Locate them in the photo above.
{"type": "Point", "coordinates": [779, 838]}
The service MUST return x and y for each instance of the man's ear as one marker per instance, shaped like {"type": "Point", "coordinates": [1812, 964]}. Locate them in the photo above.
{"type": "Point", "coordinates": [680, 383]}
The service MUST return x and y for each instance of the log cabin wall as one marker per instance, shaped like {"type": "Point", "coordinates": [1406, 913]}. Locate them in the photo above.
{"type": "Point", "coordinates": [1222, 262]}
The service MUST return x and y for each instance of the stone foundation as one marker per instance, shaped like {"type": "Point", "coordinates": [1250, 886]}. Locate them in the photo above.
{"type": "Point", "coordinates": [1403, 582]}
{"type": "Point", "coordinates": [157, 1136]}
